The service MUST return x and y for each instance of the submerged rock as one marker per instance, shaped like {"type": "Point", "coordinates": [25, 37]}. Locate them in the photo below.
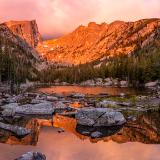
{"type": "Point", "coordinates": [45, 108]}
{"type": "Point", "coordinates": [18, 131]}
{"type": "Point", "coordinates": [99, 117]}
{"type": "Point", "coordinates": [37, 109]}
{"type": "Point", "coordinates": [32, 156]}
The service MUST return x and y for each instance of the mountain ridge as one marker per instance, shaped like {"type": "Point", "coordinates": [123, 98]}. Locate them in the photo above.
{"type": "Point", "coordinates": [88, 43]}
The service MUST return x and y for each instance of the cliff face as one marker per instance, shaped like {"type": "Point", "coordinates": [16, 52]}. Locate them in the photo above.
{"type": "Point", "coordinates": [27, 30]}
{"type": "Point", "coordinates": [18, 52]}
{"type": "Point", "coordinates": [8, 39]}
{"type": "Point", "coordinates": [92, 42]}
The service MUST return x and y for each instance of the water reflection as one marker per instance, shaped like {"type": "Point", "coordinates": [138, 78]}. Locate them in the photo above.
{"type": "Point", "coordinates": [87, 90]}
{"type": "Point", "coordinates": [103, 131]}
{"type": "Point", "coordinates": [117, 143]}
{"type": "Point", "coordinates": [32, 139]}
{"type": "Point", "coordinates": [145, 129]}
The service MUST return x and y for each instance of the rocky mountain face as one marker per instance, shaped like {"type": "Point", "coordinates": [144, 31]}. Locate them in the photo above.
{"type": "Point", "coordinates": [15, 49]}
{"type": "Point", "coordinates": [8, 35]}
{"type": "Point", "coordinates": [99, 41]}
{"type": "Point", "coordinates": [27, 30]}
{"type": "Point", "coordinates": [86, 43]}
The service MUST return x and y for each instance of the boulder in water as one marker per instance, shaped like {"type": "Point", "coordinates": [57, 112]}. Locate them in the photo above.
{"type": "Point", "coordinates": [97, 117]}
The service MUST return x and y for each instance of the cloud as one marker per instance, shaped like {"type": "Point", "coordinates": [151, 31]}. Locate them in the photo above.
{"type": "Point", "coordinates": [57, 17]}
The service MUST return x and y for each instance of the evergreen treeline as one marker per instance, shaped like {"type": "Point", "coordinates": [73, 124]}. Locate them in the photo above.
{"type": "Point", "coordinates": [15, 66]}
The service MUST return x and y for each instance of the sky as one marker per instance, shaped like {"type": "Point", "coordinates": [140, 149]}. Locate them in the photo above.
{"type": "Point", "coordinates": [59, 17]}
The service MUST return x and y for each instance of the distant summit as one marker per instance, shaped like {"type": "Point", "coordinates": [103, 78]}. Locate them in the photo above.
{"type": "Point", "coordinates": [95, 41]}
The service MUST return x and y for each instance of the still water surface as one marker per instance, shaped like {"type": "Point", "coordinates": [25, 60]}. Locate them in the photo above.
{"type": "Point", "coordinates": [138, 140]}
{"type": "Point", "coordinates": [88, 90]}
{"type": "Point", "coordinates": [66, 146]}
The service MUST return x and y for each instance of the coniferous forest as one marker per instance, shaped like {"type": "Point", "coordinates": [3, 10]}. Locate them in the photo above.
{"type": "Point", "coordinates": [15, 67]}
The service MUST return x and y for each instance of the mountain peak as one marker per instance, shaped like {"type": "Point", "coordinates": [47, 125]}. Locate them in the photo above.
{"type": "Point", "coordinates": [92, 42]}
{"type": "Point", "coordinates": [92, 24]}
{"type": "Point", "coordinates": [27, 30]}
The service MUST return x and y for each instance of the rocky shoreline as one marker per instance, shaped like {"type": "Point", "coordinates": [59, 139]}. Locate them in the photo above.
{"type": "Point", "coordinates": [107, 82]}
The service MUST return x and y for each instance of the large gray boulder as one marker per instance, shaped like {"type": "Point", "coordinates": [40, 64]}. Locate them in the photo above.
{"type": "Point", "coordinates": [45, 108]}
{"type": "Point", "coordinates": [37, 107]}
{"type": "Point", "coordinates": [97, 117]}
{"type": "Point", "coordinates": [32, 156]}
{"type": "Point", "coordinates": [18, 131]}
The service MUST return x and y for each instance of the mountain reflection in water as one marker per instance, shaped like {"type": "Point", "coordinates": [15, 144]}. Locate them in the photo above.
{"type": "Point", "coordinates": [47, 139]}
{"type": "Point", "coordinates": [87, 90]}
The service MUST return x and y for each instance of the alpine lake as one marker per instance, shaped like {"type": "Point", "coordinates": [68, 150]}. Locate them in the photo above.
{"type": "Point", "coordinates": [60, 138]}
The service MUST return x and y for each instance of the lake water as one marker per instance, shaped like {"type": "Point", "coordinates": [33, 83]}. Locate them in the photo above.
{"type": "Point", "coordinates": [137, 140]}
{"type": "Point", "coordinates": [88, 90]}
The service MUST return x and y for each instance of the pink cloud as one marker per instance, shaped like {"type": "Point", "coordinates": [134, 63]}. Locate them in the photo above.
{"type": "Point", "coordinates": [57, 17]}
